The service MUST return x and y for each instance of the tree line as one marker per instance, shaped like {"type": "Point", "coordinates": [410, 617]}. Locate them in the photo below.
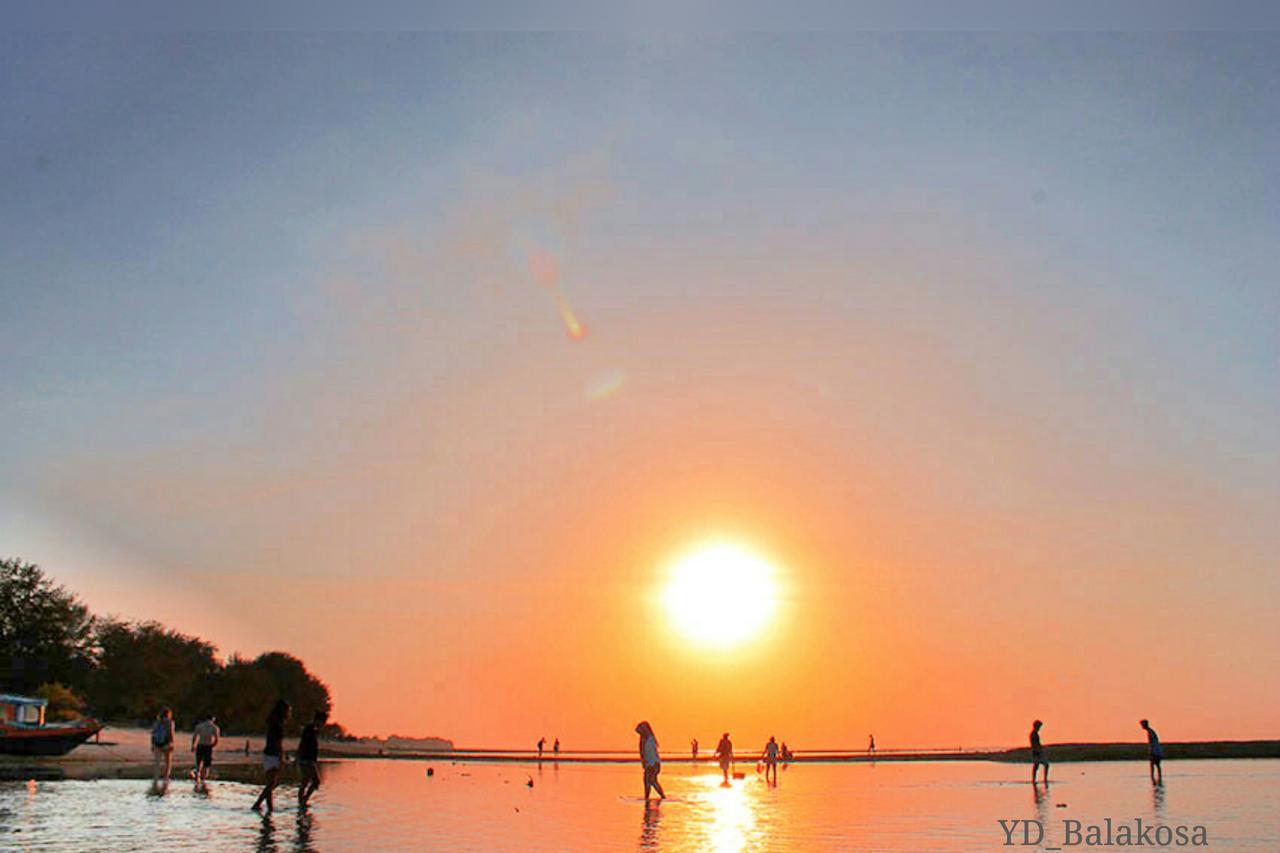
{"type": "Point", "coordinates": [126, 671]}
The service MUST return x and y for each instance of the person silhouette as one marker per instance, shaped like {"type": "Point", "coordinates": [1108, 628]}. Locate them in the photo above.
{"type": "Point", "coordinates": [693, 746]}
{"type": "Point", "coordinates": [273, 754]}
{"type": "Point", "coordinates": [649, 759]}
{"type": "Point", "coordinates": [771, 760]}
{"type": "Point", "coordinates": [541, 742]}
{"type": "Point", "coordinates": [724, 752]}
{"type": "Point", "coordinates": [555, 749]}
{"type": "Point", "coordinates": [1037, 753]}
{"type": "Point", "coordinates": [1155, 753]}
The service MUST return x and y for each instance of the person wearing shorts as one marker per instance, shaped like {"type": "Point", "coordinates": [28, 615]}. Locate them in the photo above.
{"type": "Point", "coordinates": [273, 754]}
{"type": "Point", "coordinates": [771, 760]}
{"type": "Point", "coordinates": [203, 739]}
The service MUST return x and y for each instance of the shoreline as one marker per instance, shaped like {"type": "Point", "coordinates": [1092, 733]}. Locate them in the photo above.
{"type": "Point", "coordinates": [126, 754]}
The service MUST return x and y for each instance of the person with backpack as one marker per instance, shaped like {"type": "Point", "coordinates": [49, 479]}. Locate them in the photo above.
{"type": "Point", "coordinates": [162, 745]}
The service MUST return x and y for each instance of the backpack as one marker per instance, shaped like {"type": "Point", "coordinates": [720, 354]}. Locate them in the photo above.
{"type": "Point", "coordinates": [160, 734]}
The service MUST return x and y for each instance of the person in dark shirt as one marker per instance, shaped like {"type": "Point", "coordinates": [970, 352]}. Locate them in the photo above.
{"type": "Point", "coordinates": [273, 754]}
{"type": "Point", "coordinates": [308, 758]}
{"type": "Point", "coordinates": [1037, 753]}
{"type": "Point", "coordinates": [1155, 753]}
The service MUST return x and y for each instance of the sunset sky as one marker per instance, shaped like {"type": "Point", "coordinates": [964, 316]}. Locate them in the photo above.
{"type": "Point", "coordinates": [423, 358]}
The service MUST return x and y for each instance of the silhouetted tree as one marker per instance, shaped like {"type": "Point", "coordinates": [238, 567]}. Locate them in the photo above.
{"type": "Point", "coordinates": [242, 695]}
{"type": "Point", "coordinates": [44, 630]}
{"type": "Point", "coordinates": [143, 666]}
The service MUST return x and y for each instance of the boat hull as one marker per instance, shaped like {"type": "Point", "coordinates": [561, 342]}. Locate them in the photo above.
{"type": "Point", "coordinates": [45, 740]}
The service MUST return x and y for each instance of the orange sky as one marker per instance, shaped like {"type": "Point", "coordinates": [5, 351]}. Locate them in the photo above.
{"type": "Point", "coordinates": [985, 365]}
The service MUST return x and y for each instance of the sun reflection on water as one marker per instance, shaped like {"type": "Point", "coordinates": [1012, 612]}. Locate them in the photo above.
{"type": "Point", "coordinates": [730, 822]}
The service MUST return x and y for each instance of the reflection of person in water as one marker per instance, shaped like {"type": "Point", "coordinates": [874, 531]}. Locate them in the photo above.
{"type": "Point", "coordinates": [649, 829]}
{"type": "Point", "coordinates": [724, 752]}
{"type": "Point", "coordinates": [649, 759]}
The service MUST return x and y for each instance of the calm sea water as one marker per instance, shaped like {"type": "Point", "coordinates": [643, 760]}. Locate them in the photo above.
{"type": "Point", "coordinates": [387, 805]}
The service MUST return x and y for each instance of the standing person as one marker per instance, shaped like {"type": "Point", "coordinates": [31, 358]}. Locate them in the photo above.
{"type": "Point", "coordinates": [162, 746]}
{"type": "Point", "coordinates": [273, 754]}
{"type": "Point", "coordinates": [693, 745]}
{"type": "Point", "coordinates": [871, 744]}
{"type": "Point", "coordinates": [309, 758]}
{"type": "Point", "coordinates": [541, 741]}
{"type": "Point", "coordinates": [649, 760]}
{"type": "Point", "coordinates": [1155, 753]}
{"type": "Point", "coordinates": [724, 752]}
{"type": "Point", "coordinates": [203, 739]}
{"type": "Point", "coordinates": [555, 749]}
{"type": "Point", "coordinates": [771, 760]}
{"type": "Point", "coordinates": [1037, 753]}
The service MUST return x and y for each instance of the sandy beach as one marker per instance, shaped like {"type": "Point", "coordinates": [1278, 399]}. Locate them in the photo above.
{"type": "Point", "coordinates": [125, 753]}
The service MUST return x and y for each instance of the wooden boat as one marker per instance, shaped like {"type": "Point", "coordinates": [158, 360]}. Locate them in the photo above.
{"type": "Point", "coordinates": [23, 730]}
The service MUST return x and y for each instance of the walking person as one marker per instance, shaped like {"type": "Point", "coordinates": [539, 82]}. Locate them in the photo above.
{"type": "Point", "coordinates": [1037, 753]}
{"type": "Point", "coordinates": [693, 746]}
{"type": "Point", "coordinates": [309, 758]}
{"type": "Point", "coordinates": [273, 754]}
{"type": "Point", "coordinates": [162, 747]}
{"type": "Point", "coordinates": [649, 760]}
{"type": "Point", "coordinates": [555, 749]}
{"type": "Point", "coordinates": [1155, 753]}
{"type": "Point", "coordinates": [724, 752]}
{"type": "Point", "coordinates": [541, 741]}
{"type": "Point", "coordinates": [771, 760]}
{"type": "Point", "coordinates": [203, 739]}
{"type": "Point", "coordinates": [871, 745]}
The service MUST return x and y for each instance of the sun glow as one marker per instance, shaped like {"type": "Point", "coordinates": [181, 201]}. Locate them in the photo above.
{"type": "Point", "coordinates": [721, 595]}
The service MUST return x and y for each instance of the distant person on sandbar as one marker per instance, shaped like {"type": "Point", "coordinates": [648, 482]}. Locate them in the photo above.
{"type": "Point", "coordinates": [273, 754]}
{"type": "Point", "coordinates": [871, 744]}
{"type": "Point", "coordinates": [541, 742]}
{"type": "Point", "coordinates": [693, 747]}
{"type": "Point", "coordinates": [649, 760]}
{"type": "Point", "coordinates": [786, 753]}
{"type": "Point", "coordinates": [162, 746]}
{"type": "Point", "coordinates": [555, 749]}
{"type": "Point", "coordinates": [309, 758]}
{"type": "Point", "coordinates": [724, 753]}
{"type": "Point", "coordinates": [771, 760]}
{"type": "Point", "coordinates": [203, 739]}
{"type": "Point", "coordinates": [1037, 753]}
{"type": "Point", "coordinates": [1155, 753]}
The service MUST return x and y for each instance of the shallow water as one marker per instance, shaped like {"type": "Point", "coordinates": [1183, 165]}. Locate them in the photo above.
{"type": "Point", "coordinates": [383, 804]}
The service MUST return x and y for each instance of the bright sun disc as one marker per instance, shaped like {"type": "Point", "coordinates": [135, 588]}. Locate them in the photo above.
{"type": "Point", "coordinates": [721, 595]}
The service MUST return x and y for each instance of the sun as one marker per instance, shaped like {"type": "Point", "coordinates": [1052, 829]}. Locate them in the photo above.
{"type": "Point", "coordinates": [721, 595]}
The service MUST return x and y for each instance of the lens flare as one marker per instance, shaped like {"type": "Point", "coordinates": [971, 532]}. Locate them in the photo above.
{"type": "Point", "coordinates": [605, 385]}
{"type": "Point", "coordinates": [545, 269]}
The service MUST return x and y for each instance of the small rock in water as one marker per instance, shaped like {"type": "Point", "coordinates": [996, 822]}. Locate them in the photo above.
{"type": "Point", "coordinates": [530, 782]}
{"type": "Point", "coordinates": [431, 771]}
{"type": "Point", "coordinates": [1060, 805]}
